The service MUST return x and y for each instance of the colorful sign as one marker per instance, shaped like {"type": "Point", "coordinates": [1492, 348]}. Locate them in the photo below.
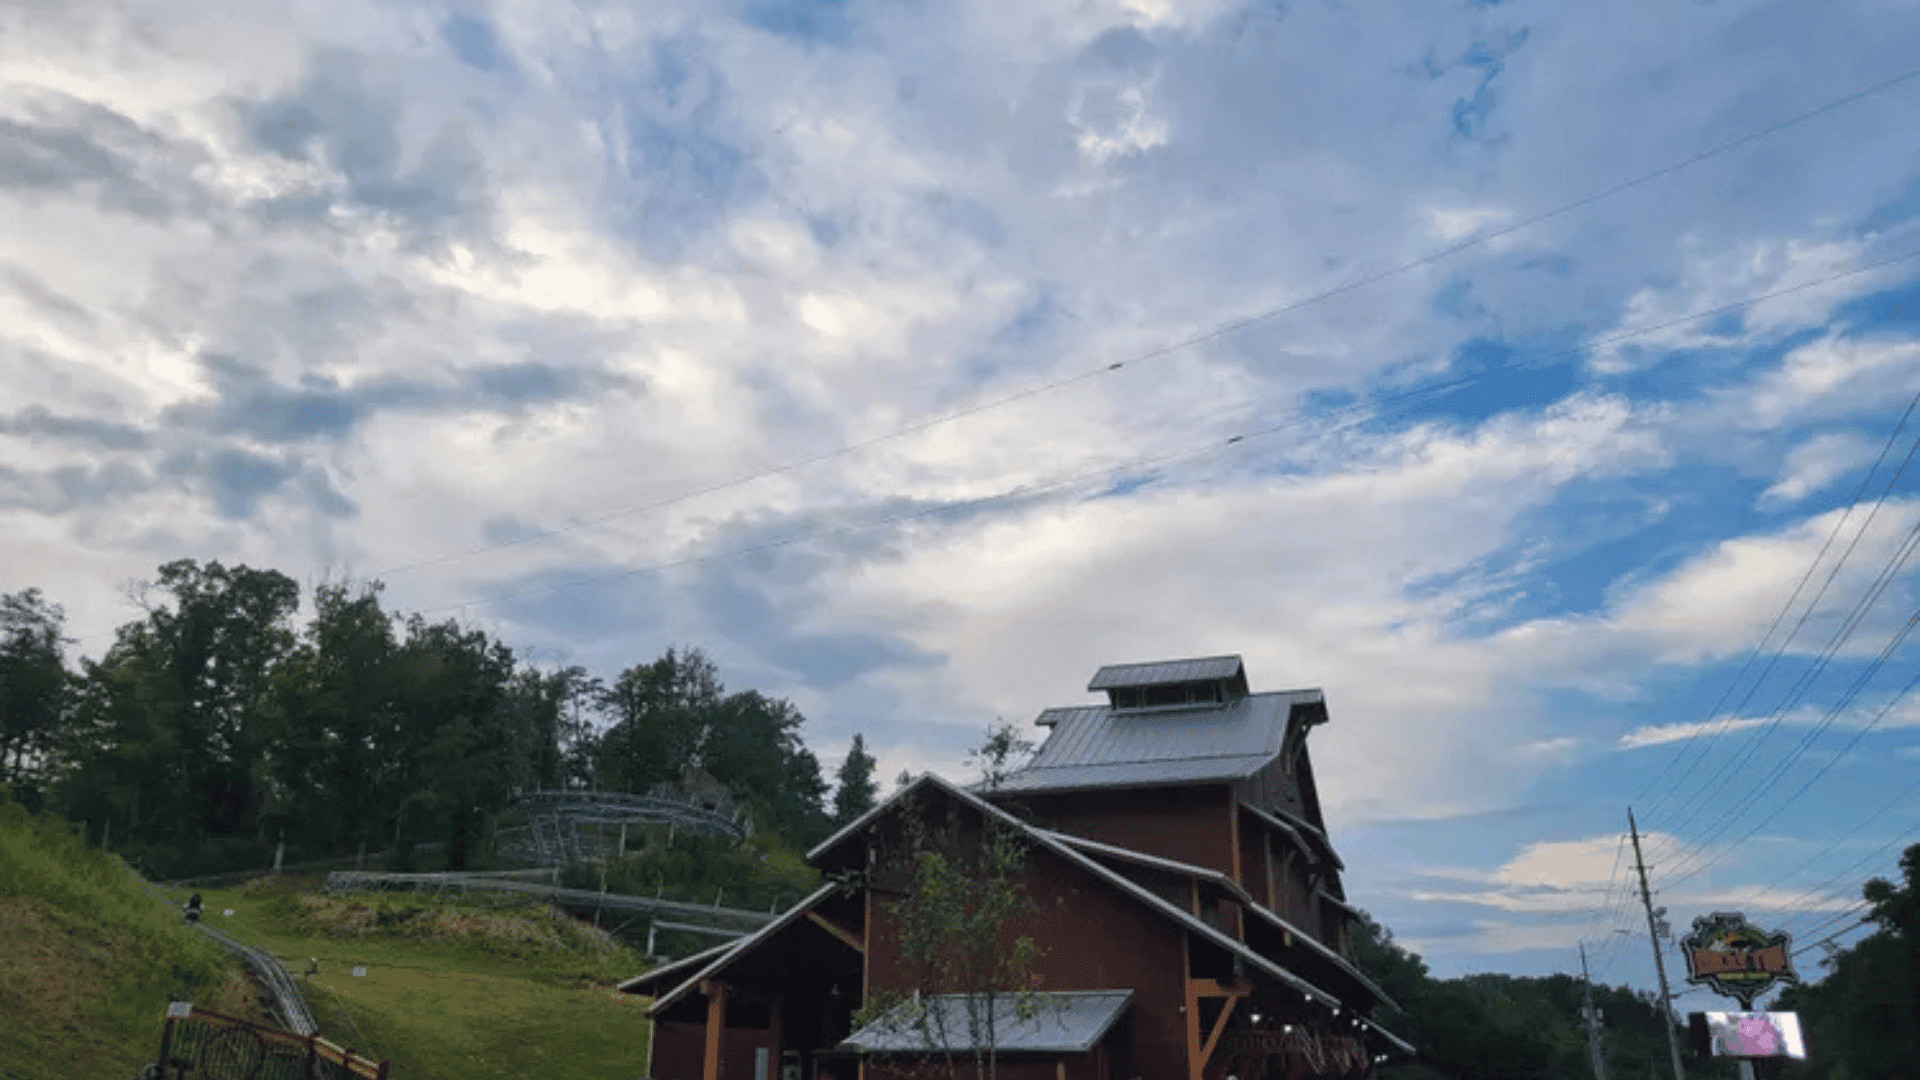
{"type": "Point", "coordinates": [1730, 956]}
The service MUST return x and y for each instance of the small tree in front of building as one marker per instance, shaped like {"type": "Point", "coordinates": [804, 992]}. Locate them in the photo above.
{"type": "Point", "coordinates": [962, 896]}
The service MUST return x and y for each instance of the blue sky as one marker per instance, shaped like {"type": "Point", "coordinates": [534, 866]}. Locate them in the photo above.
{"type": "Point", "coordinates": [1558, 341]}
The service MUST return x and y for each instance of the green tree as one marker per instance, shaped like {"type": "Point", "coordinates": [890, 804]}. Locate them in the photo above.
{"type": "Point", "coordinates": [172, 727]}
{"type": "Point", "coordinates": [335, 697]}
{"type": "Point", "coordinates": [857, 789]}
{"type": "Point", "coordinates": [960, 880]}
{"type": "Point", "coordinates": [1862, 1021]}
{"type": "Point", "coordinates": [1002, 754]}
{"type": "Point", "coordinates": [456, 750]}
{"type": "Point", "coordinates": [35, 691]}
{"type": "Point", "coordinates": [660, 715]}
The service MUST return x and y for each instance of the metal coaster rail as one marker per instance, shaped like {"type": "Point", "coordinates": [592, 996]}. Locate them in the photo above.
{"type": "Point", "coordinates": [712, 919]}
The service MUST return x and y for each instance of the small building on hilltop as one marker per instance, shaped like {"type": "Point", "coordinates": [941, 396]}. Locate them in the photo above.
{"type": "Point", "coordinates": [1180, 884]}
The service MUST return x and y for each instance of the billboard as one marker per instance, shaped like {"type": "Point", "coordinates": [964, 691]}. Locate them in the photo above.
{"type": "Point", "coordinates": [1728, 954]}
{"type": "Point", "coordinates": [1747, 1034]}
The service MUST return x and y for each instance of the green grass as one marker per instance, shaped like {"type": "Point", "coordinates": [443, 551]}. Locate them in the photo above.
{"type": "Point", "coordinates": [451, 989]}
{"type": "Point", "coordinates": [88, 959]}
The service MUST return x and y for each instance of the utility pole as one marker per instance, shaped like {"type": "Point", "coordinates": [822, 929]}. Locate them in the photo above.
{"type": "Point", "coordinates": [1659, 963]}
{"type": "Point", "coordinates": [1593, 1019]}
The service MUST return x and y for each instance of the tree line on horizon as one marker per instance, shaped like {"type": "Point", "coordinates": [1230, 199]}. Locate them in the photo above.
{"type": "Point", "coordinates": [215, 726]}
{"type": "Point", "coordinates": [1860, 1019]}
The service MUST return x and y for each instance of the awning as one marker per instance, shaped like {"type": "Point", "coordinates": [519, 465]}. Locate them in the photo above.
{"type": "Point", "coordinates": [1061, 1022]}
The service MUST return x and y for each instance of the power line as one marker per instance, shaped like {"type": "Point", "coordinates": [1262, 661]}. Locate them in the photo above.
{"type": "Point", "coordinates": [1894, 566]}
{"type": "Point", "coordinates": [1832, 535]}
{"type": "Point", "coordinates": [1218, 331]}
{"type": "Point", "coordinates": [1356, 413]}
{"type": "Point", "coordinates": [1799, 687]}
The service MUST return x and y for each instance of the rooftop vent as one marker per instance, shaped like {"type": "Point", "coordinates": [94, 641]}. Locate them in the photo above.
{"type": "Point", "coordinates": [1206, 681]}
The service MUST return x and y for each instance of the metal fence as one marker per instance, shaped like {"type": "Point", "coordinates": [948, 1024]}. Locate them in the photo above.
{"type": "Point", "coordinates": [207, 1045]}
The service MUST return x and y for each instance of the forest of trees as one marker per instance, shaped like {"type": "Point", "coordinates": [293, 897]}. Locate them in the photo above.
{"type": "Point", "coordinates": [1861, 1019]}
{"type": "Point", "coordinates": [214, 727]}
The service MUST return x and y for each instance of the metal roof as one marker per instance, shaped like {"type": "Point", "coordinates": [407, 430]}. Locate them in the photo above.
{"type": "Point", "coordinates": [1165, 671]}
{"type": "Point", "coordinates": [1179, 915]}
{"type": "Point", "coordinates": [678, 969]}
{"type": "Point", "coordinates": [1063, 1022]}
{"type": "Point", "coordinates": [740, 948]}
{"type": "Point", "coordinates": [1097, 746]}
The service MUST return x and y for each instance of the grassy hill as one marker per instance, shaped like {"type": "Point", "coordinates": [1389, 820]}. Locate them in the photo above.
{"type": "Point", "coordinates": [451, 989]}
{"type": "Point", "coordinates": [88, 959]}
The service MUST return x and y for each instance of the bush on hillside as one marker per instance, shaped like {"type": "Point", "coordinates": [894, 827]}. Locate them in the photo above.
{"type": "Point", "coordinates": [755, 874]}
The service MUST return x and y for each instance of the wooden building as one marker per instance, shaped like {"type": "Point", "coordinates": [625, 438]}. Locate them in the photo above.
{"type": "Point", "coordinates": [1183, 890]}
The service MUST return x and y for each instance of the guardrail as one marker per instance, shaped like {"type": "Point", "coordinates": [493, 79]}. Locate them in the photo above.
{"type": "Point", "coordinates": [288, 1003]}
{"type": "Point", "coordinates": [290, 1006]}
{"type": "Point", "coordinates": [714, 918]}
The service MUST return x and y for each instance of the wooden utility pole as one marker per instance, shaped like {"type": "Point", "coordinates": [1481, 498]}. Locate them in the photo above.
{"type": "Point", "coordinates": [1593, 1019]}
{"type": "Point", "coordinates": [1659, 963]}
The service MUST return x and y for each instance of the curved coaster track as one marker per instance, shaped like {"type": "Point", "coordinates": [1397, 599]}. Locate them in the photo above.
{"type": "Point", "coordinates": [554, 830]}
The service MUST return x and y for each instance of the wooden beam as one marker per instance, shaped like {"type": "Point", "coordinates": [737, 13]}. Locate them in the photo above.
{"type": "Point", "coordinates": [1195, 1062]}
{"type": "Point", "coordinates": [716, 992]}
{"type": "Point", "coordinates": [1266, 852]}
{"type": "Point", "coordinates": [1219, 1027]}
{"type": "Point", "coordinates": [845, 935]}
{"type": "Point", "coordinates": [1198, 1053]}
{"type": "Point", "coordinates": [1233, 833]}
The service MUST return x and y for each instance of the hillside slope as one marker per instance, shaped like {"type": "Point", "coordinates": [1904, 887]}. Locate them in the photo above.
{"type": "Point", "coordinates": [88, 960]}
{"type": "Point", "coordinates": [450, 989]}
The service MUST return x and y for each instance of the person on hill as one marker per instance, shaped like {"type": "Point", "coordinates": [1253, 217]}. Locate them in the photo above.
{"type": "Point", "coordinates": [193, 908]}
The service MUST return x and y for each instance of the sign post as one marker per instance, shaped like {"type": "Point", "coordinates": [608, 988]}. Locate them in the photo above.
{"type": "Point", "coordinates": [1732, 957]}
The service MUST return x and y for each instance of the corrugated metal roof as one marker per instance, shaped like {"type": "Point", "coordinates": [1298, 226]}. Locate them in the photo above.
{"type": "Point", "coordinates": [1063, 1022]}
{"type": "Point", "coordinates": [1095, 746]}
{"type": "Point", "coordinates": [1165, 671]}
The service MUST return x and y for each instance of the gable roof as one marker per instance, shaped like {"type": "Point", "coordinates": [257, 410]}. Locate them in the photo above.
{"type": "Point", "coordinates": [1160, 672]}
{"type": "Point", "coordinates": [720, 959]}
{"type": "Point", "coordinates": [1043, 839]}
{"type": "Point", "coordinates": [1094, 746]}
{"type": "Point", "coordinates": [1063, 1022]}
{"type": "Point", "coordinates": [671, 973]}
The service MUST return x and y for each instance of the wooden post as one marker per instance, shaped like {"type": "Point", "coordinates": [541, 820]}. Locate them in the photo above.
{"type": "Point", "coordinates": [1195, 1062]}
{"type": "Point", "coordinates": [716, 992]}
{"type": "Point", "coordinates": [1233, 834]}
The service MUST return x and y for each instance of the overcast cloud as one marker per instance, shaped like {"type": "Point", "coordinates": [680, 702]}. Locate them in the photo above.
{"type": "Point", "coordinates": [611, 326]}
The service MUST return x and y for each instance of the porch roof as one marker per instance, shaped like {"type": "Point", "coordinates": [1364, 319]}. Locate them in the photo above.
{"type": "Point", "coordinates": [1062, 1022]}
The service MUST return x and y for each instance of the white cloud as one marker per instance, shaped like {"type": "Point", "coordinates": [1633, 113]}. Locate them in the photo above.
{"type": "Point", "coordinates": [1814, 464]}
{"type": "Point", "coordinates": [1665, 733]}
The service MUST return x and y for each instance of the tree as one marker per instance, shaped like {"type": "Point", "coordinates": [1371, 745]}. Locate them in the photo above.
{"type": "Point", "coordinates": [335, 761]}
{"type": "Point", "coordinates": [1002, 754]}
{"type": "Point", "coordinates": [857, 788]}
{"type": "Point", "coordinates": [457, 748]}
{"type": "Point", "coordinates": [35, 690]}
{"type": "Point", "coordinates": [961, 881]}
{"type": "Point", "coordinates": [661, 713]}
{"type": "Point", "coordinates": [1863, 1020]}
{"type": "Point", "coordinates": [172, 727]}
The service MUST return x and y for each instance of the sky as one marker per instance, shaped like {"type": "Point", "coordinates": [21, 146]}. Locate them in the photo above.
{"type": "Point", "coordinates": [1528, 376]}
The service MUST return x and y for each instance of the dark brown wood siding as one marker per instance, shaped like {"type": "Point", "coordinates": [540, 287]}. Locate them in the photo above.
{"type": "Point", "coordinates": [1094, 938]}
{"type": "Point", "coordinates": [1188, 824]}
